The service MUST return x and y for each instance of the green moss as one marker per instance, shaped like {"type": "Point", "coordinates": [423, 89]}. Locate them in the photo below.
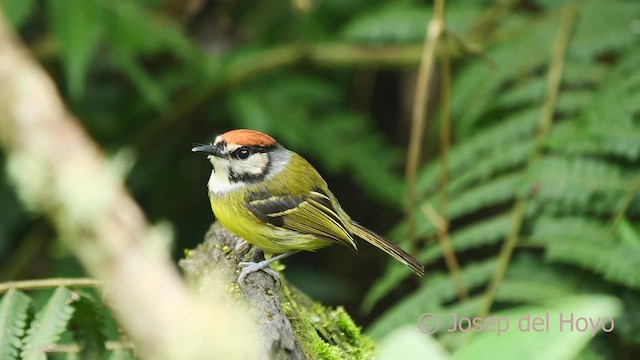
{"type": "Point", "coordinates": [325, 351]}
{"type": "Point", "coordinates": [351, 331]}
{"type": "Point", "coordinates": [324, 332]}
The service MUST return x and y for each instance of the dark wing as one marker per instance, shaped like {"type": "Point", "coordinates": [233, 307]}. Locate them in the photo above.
{"type": "Point", "coordinates": [311, 213]}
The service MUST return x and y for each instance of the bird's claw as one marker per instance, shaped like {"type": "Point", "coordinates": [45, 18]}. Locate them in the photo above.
{"type": "Point", "coordinates": [251, 267]}
{"type": "Point", "coordinates": [241, 245]}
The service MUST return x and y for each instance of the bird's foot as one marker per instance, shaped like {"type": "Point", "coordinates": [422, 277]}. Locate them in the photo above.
{"type": "Point", "coordinates": [241, 245]}
{"type": "Point", "coordinates": [249, 267]}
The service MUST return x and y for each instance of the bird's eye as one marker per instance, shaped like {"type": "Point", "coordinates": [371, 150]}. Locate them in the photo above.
{"type": "Point", "coordinates": [243, 153]}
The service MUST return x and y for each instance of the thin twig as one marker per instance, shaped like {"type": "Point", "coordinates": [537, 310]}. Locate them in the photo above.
{"type": "Point", "coordinates": [75, 348]}
{"type": "Point", "coordinates": [49, 283]}
{"type": "Point", "coordinates": [435, 29]}
{"type": "Point", "coordinates": [554, 79]}
{"type": "Point", "coordinates": [447, 249]}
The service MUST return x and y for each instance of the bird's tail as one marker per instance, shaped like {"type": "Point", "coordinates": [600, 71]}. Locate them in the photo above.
{"type": "Point", "coordinates": [387, 246]}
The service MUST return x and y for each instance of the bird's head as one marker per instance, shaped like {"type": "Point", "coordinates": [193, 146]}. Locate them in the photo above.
{"type": "Point", "coordinates": [241, 157]}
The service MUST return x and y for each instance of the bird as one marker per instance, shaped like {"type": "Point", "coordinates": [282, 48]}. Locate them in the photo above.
{"type": "Point", "coordinates": [274, 199]}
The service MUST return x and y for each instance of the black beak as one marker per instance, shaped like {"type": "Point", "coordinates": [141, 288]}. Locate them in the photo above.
{"type": "Point", "coordinates": [208, 149]}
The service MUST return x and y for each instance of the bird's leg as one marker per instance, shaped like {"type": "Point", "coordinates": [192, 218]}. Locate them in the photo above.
{"type": "Point", "coordinates": [250, 267]}
{"type": "Point", "coordinates": [240, 245]}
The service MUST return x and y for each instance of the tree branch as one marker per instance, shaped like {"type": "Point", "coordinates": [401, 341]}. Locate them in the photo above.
{"type": "Point", "coordinates": [217, 255]}
{"type": "Point", "coordinates": [292, 325]}
{"type": "Point", "coordinates": [58, 170]}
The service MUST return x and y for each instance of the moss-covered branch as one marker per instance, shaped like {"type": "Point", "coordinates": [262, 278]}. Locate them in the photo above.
{"type": "Point", "coordinates": [293, 325]}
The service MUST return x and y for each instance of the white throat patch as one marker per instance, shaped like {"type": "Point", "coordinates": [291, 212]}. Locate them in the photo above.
{"type": "Point", "coordinates": [219, 180]}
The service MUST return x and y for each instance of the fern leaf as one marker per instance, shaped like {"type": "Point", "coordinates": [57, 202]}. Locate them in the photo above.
{"type": "Point", "coordinates": [584, 74]}
{"type": "Point", "coordinates": [391, 23]}
{"type": "Point", "coordinates": [596, 139]}
{"type": "Point", "coordinates": [628, 234]}
{"type": "Point", "coordinates": [486, 167]}
{"type": "Point", "coordinates": [524, 93]}
{"type": "Point", "coordinates": [519, 291]}
{"type": "Point", "coordinates": [571, 103]}
{"type": "Point", "coordinates": [578, 185]}
{"type": "Point", "coordinates": [521, 285]}
{"type": "Point", "coordinates": [496, 191]}
{"type": "Point", "coordinates": [48, 324]}
{"type": "Point", "coordinates": [594, 35]}
{"type": "Point", "coordinates": [88, 328]}
{"type": "Point", "coordinates": [587, 244]}
{"type": "Point", "coordinates": [485, 152]}
{"type": "Point", "coordinates": [476, 89]}
{"type": "Point", "coordinates": [618, 263]}
{"type": "Point", "coordinates": [13, 317]}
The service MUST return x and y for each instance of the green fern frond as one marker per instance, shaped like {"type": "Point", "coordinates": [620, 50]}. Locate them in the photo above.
{"type": "Point", "coordinates": [485, 232]}
{"type": "Point", "coordinates": [475, 91]}
{"type": "Point", "coordinates": [488, 152]}
{"type": "Point", "coordinates": [628, 235]}
{"type": "Point", "coordinates": [590, 245]}
{"type": "Point", "coordinates": [584, 74]}
{"type": "Point", "coordinates": [574, 172]}
{"type": "Point", "coordinates": [489, 166]}
{"type": "Point", "coordinates": [618, 263]}
{"type": "Point", "coordinates": [596, 139]}
{"type": "Point", "coordinates": [594, 34]}
{"type": "Point", "coordinates": [521, 285]}
{"type": "Point", "coordinates": [393, 23]}
{"type": "Point", "coordinates": [527, 290]}
{"type": "Point", "coordinates": [48, 324]}
{"type": "Point", "coordinates": [494, 192]}
{"type": "Point", "coordinates": [523, 93]}
{"type": "Point", "coordinates": [577, 185]}
{"type": "Point", "coordinates": [13, 321]}
{"type": "Point", "coordinates": [572, 102]}
{"type": "Point", "coordinates": [88, 328]}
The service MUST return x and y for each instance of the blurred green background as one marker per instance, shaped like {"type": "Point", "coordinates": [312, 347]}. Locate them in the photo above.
{"type": "Point", "coordinates": [555, 174]}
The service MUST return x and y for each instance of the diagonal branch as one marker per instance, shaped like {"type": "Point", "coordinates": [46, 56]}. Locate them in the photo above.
{"type": "Point", "coordinates": [59, 171]}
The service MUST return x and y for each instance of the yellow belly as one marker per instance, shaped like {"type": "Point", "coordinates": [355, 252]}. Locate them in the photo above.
{"type": "Point", "coordinates": [230, 210]}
